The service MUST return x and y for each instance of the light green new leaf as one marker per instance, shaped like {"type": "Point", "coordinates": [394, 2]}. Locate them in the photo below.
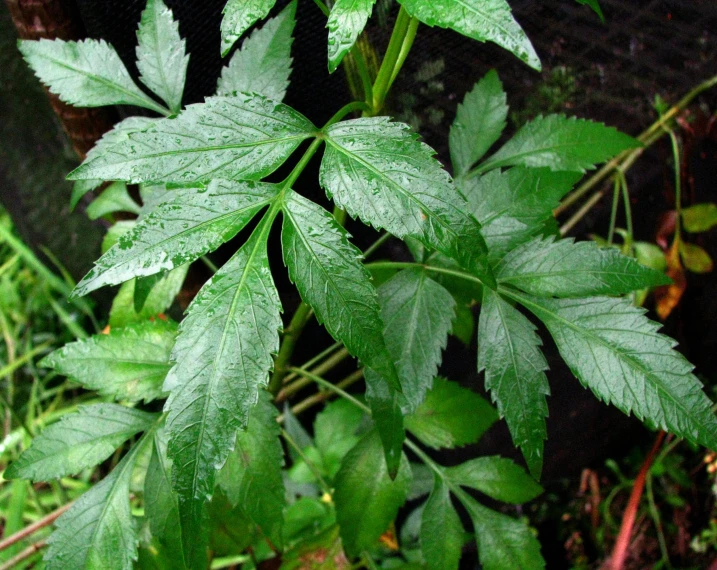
{"type": "Point", "coordinates": [346, 22]}
{"type": "Point", "coordinates": [336, 429]}
{"type": "Point", "coordinates": [98, 531]}
{"type": "Point", "coordinates": [503, 542]}
{"type": "Point", "coordinates": [263, 64]}
{"type": "Point", "coordinates": [251, 478]}
{"type": "Point", "coordinates": [114, 198]}
{"type": "Point", "coordinates": [245, 137]}
{"type": "Point", "coordinates": [480, 120]}
{"type": "Point", "coordinates": [417, 314]}
{"type": "Point", "coordinates": [78, 441]}
{"type": "Point", "coordinates": [451, 416]}
{"type": "Point", "coordinates": [560, 143]}
{"type": "Point", "coordinates": [377, 170]}
{"type": "Point", "coordinates": [85, 74]}
{"type": "Point", "coordinates": [700, 217]}
{"type": "Point", "coordinates": [441, 530]}
{"type": "Point", "coordinates": [548, 268]}
{"type": "Point", "coordinates": [223, 357]}
{"type": "Point", "coordinates": [616, 352]}
{"type": "Point", "coordinates": [513, 206]}
{"type": "Point", "coordinates": [327, 270]}
{"type": "Point", "coordinates": [161, 56]}
{"type": "Point", "coordinates": [595, 7]}
{"type": "Point", "coordinates": [482, 20]}
{"type": "Point", "coordinates": [509, 352]}
{"type": "Point", "coordinates": [366, 498]}
{"type": "Point", "coordinates": [127, 364]}
{"type": "Point", "coordinates": [179, 230]}
{"type": "Point", "coordinates": [239, 16]}
{"type": "Point", "coordinates": [497, 477]}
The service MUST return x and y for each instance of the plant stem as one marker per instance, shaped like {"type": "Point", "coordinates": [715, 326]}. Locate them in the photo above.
{"type": "Point", "coordinates": [322, 396]}
{"type": "Point", "coordinates": [302, 382]}
{"type": "Point", "coordinates": [678, 183]}
{"type": "Point", "coordinates": [345, 110]}
{"type": "Point", "coordinates": [628, 210]}
{"type": "Point", "coordinates": [318, 358]}
{"type": "Point", "coordinates": [24, 555]}
{"type": "Point", "coordinates": [325, 487]}
{"type": "Point", "coordinates": [410, 264]}
{"type": "Point", "coordinates": [323, 7]}
{"type": "Point", "coordinates": [405, 49]}
{"type": "Point", "coordinates": [613, 213]}
{"type": "Point", "coordinates": [375, 245]}
{"type": "Point", "coordinates": [390, 59]}
{"type": "Point", "coordinates": [333, 387]}
{"type": "Point", "coordinates": [291, 336]}
{"type": "Point", "coordinates": [33, 528]}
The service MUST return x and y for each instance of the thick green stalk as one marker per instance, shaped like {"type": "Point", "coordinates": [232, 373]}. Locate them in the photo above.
{"type": "Point", "coordinates": [388, 65]}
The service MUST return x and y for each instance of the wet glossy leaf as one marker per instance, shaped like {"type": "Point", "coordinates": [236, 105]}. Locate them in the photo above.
{"type": "Point", "coordinates": [263, 64]}
{"type": "Point", "coordinates": [161, 58]}
{"type": "Point", "coordinates": [377, 170]}
{"type": "Point", "coordinates": [366, 498]}
{"type": "Point", "coordinates": [451, 416]}
{"type": "Point", "coordinates": [497, 477]}
{"type": "Point", "coordinates": [616, 352]}
{"type": "Point", "coordinates": [479, 122]}
{"type": "Point", "coordinates": [114, 198]}
{"type": "Point", "coordinates": [251, 478]}
{"type": "Point", "coordinates": [564, 268]}
{"type": "Point", "coordinates": [85, 74]}
{"type": "Point", "coordinates": [326, 269]}
{"type": "Point", "coordinates": [223, 357]}
{"type": "Point", "coordinates": [441, 530]}
{"type": "Point", "coordinates": [700, 217]}
{"type": "Point", "coordinates": [695, 258]}
{"type": "Point", "coordinates": [127, 364]}
{"type": "Point", "coordinates": [245, 137]}
{"type": "Point", "coordinates": [482, 20]}
{"type": "Point", "coordinates": [179, 230]}
{"type": "Point", "coordinates": [386, 405]}
{"type": "Point", "coordinates": [560, 143]}
{"type": "Point", "coordinates": [239, 16]}
{"type": "Point", "coordinates": [78, 441]}
{"type": "Point", "coordinates": [346, 22]}
{"type": "Point", "coordinates": [509, 352]}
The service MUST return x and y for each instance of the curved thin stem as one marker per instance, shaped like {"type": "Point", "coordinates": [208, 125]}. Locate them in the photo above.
{"type": "Point", "coordinates": [332, 387]}
{"type": "Point", "coordinates": [628, 210]}
{"type": "Point", "coordinates": [325, 487]}
{"type": "Point", "coordinates": [613, 212]}
{"type": "Point", "coordinates": [393, 52]}
{"type": "Point", "coordinates": [678, 182]}
{"type": "Point", "coordinates": [345, 110]}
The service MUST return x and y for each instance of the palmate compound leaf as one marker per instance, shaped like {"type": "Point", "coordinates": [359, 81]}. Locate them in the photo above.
{"type": "Point", "coordinates": [441, 530]}
{"type": "Point", "coordinates": [377, 170]}
{"type": "Point", "coordinates": [560, 143]}
{"type": "Point", "coordinates": [85, 74]}
{"type": "Point", "coordinates": [616, 351]}
{"type": "Point", "coordinates": [482, 20]}
{"type": "Point", "coordinates": [263, 64]}
{"type": "Point", "coordinates": [223, 357]}
{"type": "Point", "coordinates": [509, 352]}
{"type": "Point", "coordinates": [346, 22]}
{"type": "Point", "coordinates": [78, 441]}
{"type": "Point", "coordinates": [98, 531]}
{"type": "Point", "coordinates": [239, 16]}
{"type": "Point", "coordinates": [548, 268]}
{"type": "Point", "coordinates": [513, 206]}
{"type": "Point", "coordinates": [251, 478]}
{"type": "Point", "coordinates": [479, 122]}
{"type": "Point", "coordinates": [244, 137]}
{"type": "Point", "coordinates": [161, 55]}
{"type": "Point", "coordinates": [179, 230]}
{"type": "Point", "coordinates": [327, 270]}
{"type": "Point", "coordinates": [127, 364]}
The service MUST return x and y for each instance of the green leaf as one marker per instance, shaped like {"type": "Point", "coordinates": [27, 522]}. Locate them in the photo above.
{"type": "Point", "coordinates": [263, 64]}
{"type": "Point", "coordinates": [327, 271]}
{"type": "Point", "coordinates": [695, 258]}
{"type": "Point", "coordinates": [509, 352]}
{"type": "Point", "coordinates": [377, 170]}
{"type": "Point", "coordinates": [161, 55]}
{"type": "Point", "coordinates": [366, 498]}
{"type": "Point", "coordinates": [564, 268]}
{"type": "Point", "coordinates": [126, 364]}
{"type": "Point", "coordinates": [223, 357]}
{"type": "Point", "coordinates": [441, 530]}
{"type": "Point", "coordinates": [114, 232]}
{"type": "Point", "coordinates": [114, 198]}
{"type": "Point", "coordinates": [251, 477]}
{"type": "Point", "coordinates": [160, 299]}
{"type": "Point", "coordinates": [616, 352]}
{"type": "Point", "coordinates": [514, 205]}
{"type": "Point", "coordinates": [560, 143]}
{"type": "Point", "coordinates": [336, 431]}
{"type": "Point", "coordinates": [464, 324]}
{"type": "Point", "coordinates": [482, 20]}
{"type": "Point", "coordinates": [160, 503]}
{"type": "Point", "coordinates": [179, 230]}
{"type": "Point", "coordinates": [650, 255]}
{"type": "Point", "coordinates": [503, 542]}
{"type": "Point", "coordinates": [245, 137]}
{"type": "Point", "coordinates": [239, 16]}
{"type": "Point", "coordinates": [346, 22]}
{"type": "Point", "coordinates": [386, 405]}
{"type": "Point", "coordinates": [98, 531]}
{"type": "Point", "coordinates": [497, 477]}
{"type": "Point", "coordinates": [417, 313]}
{"type": "Point", "coordinates": [143, 287]}
{"type": "Point", "coordinates": [595, 7]}
{"type": "Point", "coordinates": [479, 121]}
{"type": "Point", "coordinates": [78, 441]}
{"type": "Point", "coordinates": [451, 416]}
{"type": "Point", "coordinates": [85, 74]}
{"type": "Point", "coordinates": [700, 217]}
{"type": "Point", "coordinates": [80, 188]}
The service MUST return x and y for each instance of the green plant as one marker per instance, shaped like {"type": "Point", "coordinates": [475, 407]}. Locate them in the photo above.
{"type": "Point", "coordinates": [207, 473]}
